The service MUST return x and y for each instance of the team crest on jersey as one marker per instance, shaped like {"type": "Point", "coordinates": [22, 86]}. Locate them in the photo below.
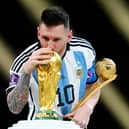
{"type": "Point", "coordinates": [79, 72]}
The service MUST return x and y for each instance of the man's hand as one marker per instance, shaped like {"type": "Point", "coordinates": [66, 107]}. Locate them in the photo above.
{"type": "Point", "coordinates": [81, 116]}
{"type": "Point", "coordinates": [38, 57]}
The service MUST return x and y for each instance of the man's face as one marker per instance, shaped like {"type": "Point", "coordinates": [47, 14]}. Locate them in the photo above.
{"type": "Point", "coordinates": [54, 37]}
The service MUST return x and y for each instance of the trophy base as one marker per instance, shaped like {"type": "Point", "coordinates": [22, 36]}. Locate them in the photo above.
{"type": "Point", "coordinates": [44, 124]}
{"type": "Point", "coordinates": [43, 114]}
{"type": "Point", "coordinates": [45, 119]}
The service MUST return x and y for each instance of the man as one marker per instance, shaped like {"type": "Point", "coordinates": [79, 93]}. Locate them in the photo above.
{"type": "Point", "coordinates": [77, 71]}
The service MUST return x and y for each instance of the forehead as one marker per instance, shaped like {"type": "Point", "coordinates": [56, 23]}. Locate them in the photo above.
{"type": "Point", "coordinates": [60, 28]}
{"type": "Point", "coordinates": [55, 31]}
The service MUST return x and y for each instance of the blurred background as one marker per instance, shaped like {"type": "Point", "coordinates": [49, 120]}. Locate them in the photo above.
{"type": "Point", "coordinates": [105, 23]}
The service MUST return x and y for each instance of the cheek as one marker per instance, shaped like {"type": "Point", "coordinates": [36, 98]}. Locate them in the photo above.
{"type": "Point", "coordinates": [59, 46]}
{"type": "Point", "coordinates": [43, 44]}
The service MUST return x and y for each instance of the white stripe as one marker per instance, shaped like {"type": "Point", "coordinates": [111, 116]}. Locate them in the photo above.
{"type": "Point", "coordinates": [35, 95]}
{"type": "Point", "coordinates": [35, 91]}
{"type": "Point", "coordinates": [20, 64]}
{"type": "Point", "coordinates": [26, 52]}
{"type": "Point", "coordinates": [70, 59]}
{"type": "Point", "coordinates": [57, 109]}
{"type": "Point", "coordinates": [10, 87]}
{"type": "Point", "coordinates": [76, 40]}
{"type": "Point", "coordinates": [31, 108]}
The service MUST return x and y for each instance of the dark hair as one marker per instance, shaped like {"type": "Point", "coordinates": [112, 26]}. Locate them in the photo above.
{"type": "Point", "coordinates": [55, 16]}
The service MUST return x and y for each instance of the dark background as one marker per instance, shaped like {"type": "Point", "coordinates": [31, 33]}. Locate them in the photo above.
{"type": "Point", "coordinates": [88, 21]}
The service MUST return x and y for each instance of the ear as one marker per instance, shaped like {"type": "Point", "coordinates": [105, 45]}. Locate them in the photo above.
{"type": "Point", "coordinates": [70, 34]}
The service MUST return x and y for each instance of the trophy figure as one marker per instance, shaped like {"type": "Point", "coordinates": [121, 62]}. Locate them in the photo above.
{"type": "Point", "coordinates": [48, 76]}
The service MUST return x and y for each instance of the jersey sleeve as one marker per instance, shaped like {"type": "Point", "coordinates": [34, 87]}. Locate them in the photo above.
{"type": "Point", "coordinates": [92, 76]}
{"type": "Point", "coordinates": [16, 67]}
{"type": "Point", "coordinates": [13, 80]}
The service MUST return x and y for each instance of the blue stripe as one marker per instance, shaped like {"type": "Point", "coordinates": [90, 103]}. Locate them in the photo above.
{"type": "Point", "coordinates": [64, 82]}
{"type": "Point", "coordinates": [81, 64]}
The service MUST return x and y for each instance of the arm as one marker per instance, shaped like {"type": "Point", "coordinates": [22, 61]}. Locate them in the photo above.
{"type": "Point", "coordinates": [82, 114]}
{"type": "Point", "coordinates": [18, 97]}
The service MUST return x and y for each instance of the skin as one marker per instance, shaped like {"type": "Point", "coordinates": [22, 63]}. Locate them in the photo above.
{"type": "Point", "coordinates": [51, 38]}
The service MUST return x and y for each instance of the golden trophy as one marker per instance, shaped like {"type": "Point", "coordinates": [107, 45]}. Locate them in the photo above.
{"type": "Point", "coordinates": [48, 76]}
{"type": "Point", "coordinates": [106, 71]}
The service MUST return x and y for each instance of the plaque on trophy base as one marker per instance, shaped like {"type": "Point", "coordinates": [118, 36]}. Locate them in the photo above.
{"type": "Point", "coordinates": [46, 114]}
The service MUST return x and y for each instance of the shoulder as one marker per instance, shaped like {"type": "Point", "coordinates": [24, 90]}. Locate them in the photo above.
{"type": "Point", "coordinates": [81, 43]}
{"type": "Point", "coordinates": [30, 48]}
{"type": "Point", "coordinates": [23, 57]}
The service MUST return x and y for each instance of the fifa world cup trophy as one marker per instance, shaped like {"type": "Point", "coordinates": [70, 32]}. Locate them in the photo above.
{"type": "Point", "coordinates": [48, 77]}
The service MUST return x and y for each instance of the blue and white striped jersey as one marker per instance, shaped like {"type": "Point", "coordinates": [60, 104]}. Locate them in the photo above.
{"type": "Point", "coordinates": [78, 69]}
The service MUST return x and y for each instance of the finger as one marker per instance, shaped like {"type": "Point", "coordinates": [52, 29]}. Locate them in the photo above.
{"type": "Point", "coordinates": [44, 51]}
{"type": "Point", "coordinates": [69, 116]}
{"type": "Point", "coordinates": [40, 57]}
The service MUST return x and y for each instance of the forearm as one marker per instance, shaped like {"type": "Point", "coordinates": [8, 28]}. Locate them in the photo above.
{"type": "Point", "coordinates": [18, 97]}
{"type": "Point", "coordinates": [81, 114]}
{"type": "Point", "coordinates": [92, 101]}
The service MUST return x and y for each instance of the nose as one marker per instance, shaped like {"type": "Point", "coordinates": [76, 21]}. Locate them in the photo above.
{"type": "Point", "coordinates": [51, 45]}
